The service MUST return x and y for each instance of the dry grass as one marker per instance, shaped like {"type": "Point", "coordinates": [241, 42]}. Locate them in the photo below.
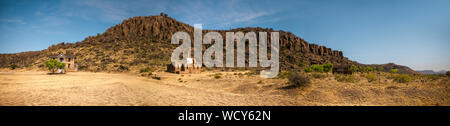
{"type": "Point", "coordinates": [85, 88]}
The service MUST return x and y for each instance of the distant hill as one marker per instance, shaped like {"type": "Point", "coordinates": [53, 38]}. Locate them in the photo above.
{"type": "Point", "coordinates": [144, 41]}
{"type": "Point", "coordinates": [431, 72]}
{"type": "Point", "coordinates": [401, 69]}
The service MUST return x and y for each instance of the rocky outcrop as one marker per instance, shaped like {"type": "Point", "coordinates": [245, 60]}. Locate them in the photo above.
{"type": "Point", "coordinates": [145, 40]}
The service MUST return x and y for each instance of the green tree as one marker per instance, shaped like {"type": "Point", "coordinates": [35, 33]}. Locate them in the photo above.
{"type": "Point", "coordinates": [317, 68]}
{"type": "Point", "coordinates": [53, 65]}
{"type": "Point", "coordinates": [354, 68]}
{"type": "Point", "coordinates": [362, 69]}
{"type": "Point", "coordinates": [369, 69]}
{"type": "Point", "coordinates": [308, 69]}
{"type": "Point", "coordinates": [61, 65]}
{"type": "Point", "coordinates": [327, 67]}
{"type": "Point", "coordinates": [13, 66]}
{"type": "Point", "coordinates": [380, 69]}
{"type": "Point", "coordinates": [402, 78]}
{"type": "Point", "coordinates": [448, 73]}
{"type": "Point", "coordinates": [393, 71]}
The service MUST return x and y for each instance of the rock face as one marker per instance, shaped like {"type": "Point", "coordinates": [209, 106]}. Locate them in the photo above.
{"type": "Point", "coordinates": [141, 41]}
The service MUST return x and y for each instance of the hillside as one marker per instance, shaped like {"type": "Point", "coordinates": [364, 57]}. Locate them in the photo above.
{"type": "Point", "coordinates": [431, 72]}
{"type": "Point", "coordinates": [145, 41]}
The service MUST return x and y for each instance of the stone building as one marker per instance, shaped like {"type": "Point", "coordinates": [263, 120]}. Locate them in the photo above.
{"type": "Point", "coordinates": [68, 59]}
{"type": "Point", "coordinates": [182, 69]}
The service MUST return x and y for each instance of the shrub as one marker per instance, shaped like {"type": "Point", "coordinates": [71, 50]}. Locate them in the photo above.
{"type": "Point", "coordinates": [217, 75]}
{"type": "Point", "coordinates": [365, 69]}
{"type": "Point", "coordinates": [298, 80]}
{"type": "Point", "coordinates": [318, 75]}
{"type": "Point", "coordinates": [327, 67]}
{"type": "Point", "coordinates": [430, 77]}
{"type": "Point", "coordinates": [283, 75]}
{"type": "Point", "coordinates": [448, 73]}
{"type": "Point", "coordinates": [346, 78]}
{"type": "Point", "coordinates": [402, 78]}
{"type": "Point", "coordinates": [144, 70]}
{"type": "Point", "coordinates": [354, 68]}
{"type": "Point", "coordinates": [308, 69]}
{"type": "Point", "coordinates": [381, 69]}
{"type": "Point", "coordinates": [362, 69]}
{"type": "Point", "coordinates": [13, 66]}
{"type": "Point", "coordinates": [371, 77]}
{"type": "Point", "coordinates": [393, 71]}
{"type": "Point", "coordinates": [371, 69]}
{"type": "Point", "coordinates": [157, 78]}
{"type": "Point", "coordinates": [123, 68]}
{"type": "Point", "coordinates": [317, 68]}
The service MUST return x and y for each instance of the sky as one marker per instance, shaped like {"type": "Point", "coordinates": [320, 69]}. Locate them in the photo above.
{"type": "Point", "coordinates": [415, 33]}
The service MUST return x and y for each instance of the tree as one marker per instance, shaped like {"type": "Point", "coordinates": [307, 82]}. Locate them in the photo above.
{"type": "Point", "coordinates": [327, 67]}
{"type": "Point", "coordinates": [53, 65]}
{"type": "Point", "coordinates": [61, 66]}
{"type": "Point", "coordinates": [448, 73]}
{"type": "Point", "coordinates": [13, 66]}
{"type": "Point", "coordinates": [381, 69]}
{"type": "Point", "coordinates": [362, 69]}
{"type": "Point", "coordinates": [393, 71]}
{"type": "Point", "coordinates": [317, 68]}
{"type": "Point", "coordinates": [308, 69]}
{"type": "Point", "coordinates": [354, 68]}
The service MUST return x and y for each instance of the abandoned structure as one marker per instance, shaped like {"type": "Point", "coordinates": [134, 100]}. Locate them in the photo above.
{"type": "Point", "coordinates": [68, 59]}
{"type": "Point", "coordinates": [182, 69]}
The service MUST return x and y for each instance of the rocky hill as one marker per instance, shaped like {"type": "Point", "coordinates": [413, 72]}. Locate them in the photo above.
{"type": "Point", "coordinates": [431, 72]}
{"type": "Point", "coordinates": [144, 41]}
{"type": "Point", "coordinates": [401, 69]}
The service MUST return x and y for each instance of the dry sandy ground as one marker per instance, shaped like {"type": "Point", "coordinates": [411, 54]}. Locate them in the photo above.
{"type": "Point", "coordinates": [86, 88]}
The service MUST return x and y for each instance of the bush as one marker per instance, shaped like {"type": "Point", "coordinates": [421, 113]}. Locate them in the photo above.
{"type": "Point", "coordinates": [13, 66]}
{"type": "Point", "coordinates": [318, 75]}
{"type": "Point", "coordinates": [393, 71]}
{"type": "Point", "coordinates": [346, 78]}
{"type": "Point", "coordinates": [402, 78]}
{"type": "Point", "coordinates": [448, 73]}
{"type": "Point", "coordinates": [308, 69]}
{"type": "Point", "coordinates": [354, 68]}
{"type": "Point", "coordinates": [283, 75]}
{"type": "Point", "coordinates": [327, 67]}
{"type": "Point", "coordinates": [217, 76]}
{"type": "Point", "coordinates": [317, 68]}
{"type": "Point", "coordinates": [380, 69]}
{"type": "Point", "coordinates": [371, 69]}
{"type": "Point", "coordinates": [298, 80]}
{"type": "Point", "coordinates": [157, 78]}
{"type": "Point", "coordinates": [371, 77]}
{"type": "Point", "coordinates": [123, 68]}
{"type": "Point", "coordinates": [365, 69]}
{"type": "Point", "coordinates": [144, 70]}
{"type": "Point", "coordinates": [430, 77]}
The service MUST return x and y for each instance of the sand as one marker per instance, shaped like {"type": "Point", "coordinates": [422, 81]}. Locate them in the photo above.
{"type": "Point", "coordinates": [37, 88]}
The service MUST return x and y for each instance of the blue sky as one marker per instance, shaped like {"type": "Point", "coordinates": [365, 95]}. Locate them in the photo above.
{"type": "Point", "coordinates": [415, 33]}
